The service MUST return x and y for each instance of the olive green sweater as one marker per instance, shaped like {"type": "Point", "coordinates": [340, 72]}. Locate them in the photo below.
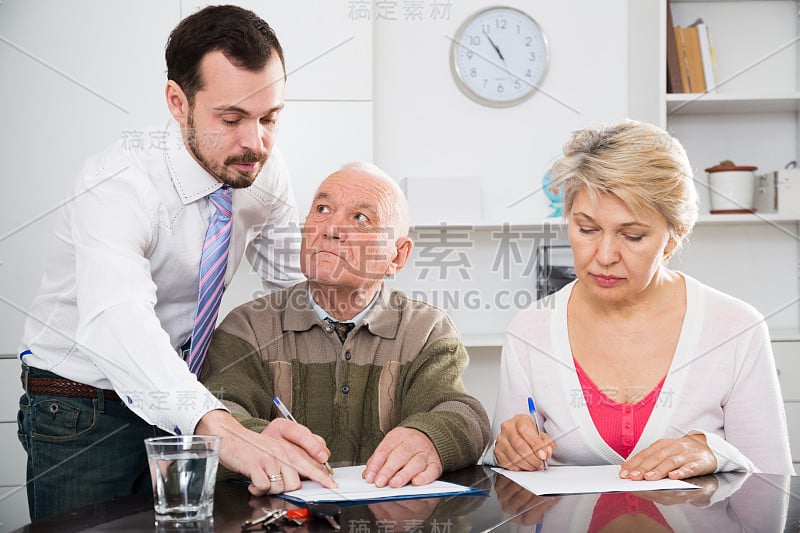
{"type": "Point", "coordinates": [401, 366]}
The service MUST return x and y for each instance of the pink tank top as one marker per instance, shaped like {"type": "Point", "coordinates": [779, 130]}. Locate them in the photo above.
{"type": "Point", "coordinates": [611, 506]}
{"type": "Point", "coordinates": [619, 424]}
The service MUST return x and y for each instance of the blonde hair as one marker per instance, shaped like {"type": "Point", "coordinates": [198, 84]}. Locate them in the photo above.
{"type": "Point", "coordinates": [641, 164]}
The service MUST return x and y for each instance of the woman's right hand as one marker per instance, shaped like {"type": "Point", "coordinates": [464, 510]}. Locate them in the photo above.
{"type": "Point", "coordinates": [520, 447]}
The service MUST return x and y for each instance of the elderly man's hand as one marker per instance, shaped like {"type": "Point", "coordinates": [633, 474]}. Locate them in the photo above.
{"type": "Point", "coordinates": [681, 458]}
{"type": "Point", "coordinates": [412, 510]}
{"type": "Point", "coordinates": [404, 455]}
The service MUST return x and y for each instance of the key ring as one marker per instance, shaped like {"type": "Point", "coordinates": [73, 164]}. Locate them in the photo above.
{"type": "Point", "coordinates": [264, 521]}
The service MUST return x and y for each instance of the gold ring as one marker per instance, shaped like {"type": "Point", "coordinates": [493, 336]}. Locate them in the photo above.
{"type": "Point", "coordinates": [274, 478]}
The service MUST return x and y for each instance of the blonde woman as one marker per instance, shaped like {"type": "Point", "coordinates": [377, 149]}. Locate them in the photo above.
{"type": "Point", "coordinates": [634, 363]}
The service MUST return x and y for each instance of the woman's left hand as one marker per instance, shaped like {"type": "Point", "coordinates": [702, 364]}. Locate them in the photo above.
{"type": "Point", "coordinates": [681, 458]}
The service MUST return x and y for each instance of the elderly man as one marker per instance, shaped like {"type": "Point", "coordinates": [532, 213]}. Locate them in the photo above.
{"type": "Point", "coordinates": [375, 374]}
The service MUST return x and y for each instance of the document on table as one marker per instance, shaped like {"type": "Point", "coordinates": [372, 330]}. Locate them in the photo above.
{"type": "Point", "coordinates": [353, 488]}
{"type": "Point", "coordinates": [584, 479]}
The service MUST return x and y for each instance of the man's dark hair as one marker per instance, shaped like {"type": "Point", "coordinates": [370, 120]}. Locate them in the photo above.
{"type": "Point", "coordinates": [243, 37]}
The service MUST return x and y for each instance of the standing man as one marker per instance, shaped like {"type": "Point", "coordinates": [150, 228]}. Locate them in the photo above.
{"type": "Point", "coordinates": [114, 341]}
{"type": "Point", "coordinates": [375, 373]}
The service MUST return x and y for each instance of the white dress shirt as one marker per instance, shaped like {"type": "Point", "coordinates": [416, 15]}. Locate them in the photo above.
{"type": "Point", "coordinates": [119, 293]}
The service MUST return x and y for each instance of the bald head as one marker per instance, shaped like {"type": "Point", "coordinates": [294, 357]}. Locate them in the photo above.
{"type": "Point", "coordinates": [376, 184]}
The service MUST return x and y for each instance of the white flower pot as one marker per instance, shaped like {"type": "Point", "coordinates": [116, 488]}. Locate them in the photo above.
{"type": "Point", "coordinates": [731, 189]}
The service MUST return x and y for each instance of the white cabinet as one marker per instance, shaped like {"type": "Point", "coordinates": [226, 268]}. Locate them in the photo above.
{"type": "Point", "coordinates": [793, 421]}
{"type": "Point", "coordinates": [13, 509]}
{"type": "Point", "coordinates": [13, 496]}
{"type": "Point", "coordinates": [787, 361]}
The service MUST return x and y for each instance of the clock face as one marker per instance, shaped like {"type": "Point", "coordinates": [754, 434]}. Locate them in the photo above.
{"type": "Point", "coordinates": [499, 56]}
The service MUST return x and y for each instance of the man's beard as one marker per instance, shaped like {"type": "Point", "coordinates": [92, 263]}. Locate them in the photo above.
{"type": "Point", "coordinates": [224, 173]}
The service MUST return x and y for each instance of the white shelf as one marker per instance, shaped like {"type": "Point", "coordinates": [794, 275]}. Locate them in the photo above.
{"type": "Point", "coordinates": [489, 340]}
{"type": "Point", "coordinates": [703, 219]}
{"type": "Point", "coordinates": [489, 226]}
{"type": "Point", "coordinates": [746, 218]}
{"type": "Point", "coordinates": [784, 335]}
{"type": "Point", "coordinates": [707, 103]}
{"type": "Point", "coordinates": [720, 1]}
{"type": "Point", "coordinates": [496, 340]}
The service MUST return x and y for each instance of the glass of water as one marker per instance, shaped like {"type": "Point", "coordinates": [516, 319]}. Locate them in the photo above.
{"type": "Point", "coordinates": [183, 470]}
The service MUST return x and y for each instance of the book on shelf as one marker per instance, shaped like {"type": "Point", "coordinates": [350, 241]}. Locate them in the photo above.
{"type": "Point", "coordinates": [707, 55]}
{"type": "Point", "coordinates": [674, 80]}
{"type": "Point", "coordinates": [694, 60]}
{"type": "Point", "coordinates": [683, 63]}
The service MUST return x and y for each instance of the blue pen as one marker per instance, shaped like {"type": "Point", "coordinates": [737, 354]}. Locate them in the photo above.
{"type": "Point", "coordinates": [532, 411]}
{"type": "Point", "coordinates": [285, 412]}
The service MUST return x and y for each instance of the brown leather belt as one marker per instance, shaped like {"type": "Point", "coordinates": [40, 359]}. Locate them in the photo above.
{"type": "Point", "coordinates": [66, 388]}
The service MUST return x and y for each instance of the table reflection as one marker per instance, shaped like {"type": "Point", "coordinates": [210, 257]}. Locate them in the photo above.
{"type": "Point", "coordinates": [724, 502]}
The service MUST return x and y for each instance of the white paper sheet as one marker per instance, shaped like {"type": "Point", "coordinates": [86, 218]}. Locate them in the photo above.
{"type": "Point", "coordinates": [584, 479]}
{"type": "Point", "coordinates": [352, 487]}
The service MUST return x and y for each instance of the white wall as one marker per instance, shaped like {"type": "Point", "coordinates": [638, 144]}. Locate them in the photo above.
{"type": "Point", "coordinates": [425, 127]}
{"type": "Point", "coordinates": [81, 74]}
{"type": "Point", "coordinates": [77, 75]}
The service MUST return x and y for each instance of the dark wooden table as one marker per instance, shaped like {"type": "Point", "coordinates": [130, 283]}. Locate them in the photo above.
{"type": "Point", "coordinates": [727, 502]}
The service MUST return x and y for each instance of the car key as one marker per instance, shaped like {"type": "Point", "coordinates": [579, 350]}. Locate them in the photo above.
{"type": "Point", "coordinates": [328, 511]}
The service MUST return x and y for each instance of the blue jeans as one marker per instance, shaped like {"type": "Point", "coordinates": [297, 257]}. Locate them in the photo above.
{"type": "Point", "coordinates": [80, 450]}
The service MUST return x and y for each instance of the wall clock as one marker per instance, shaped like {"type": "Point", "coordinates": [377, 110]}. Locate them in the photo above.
{"type": "Point", "coordinates": [499, 56]}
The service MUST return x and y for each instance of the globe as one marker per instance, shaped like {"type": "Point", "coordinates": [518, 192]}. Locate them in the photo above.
{"type": "Point", "coordinates": [554, 194]}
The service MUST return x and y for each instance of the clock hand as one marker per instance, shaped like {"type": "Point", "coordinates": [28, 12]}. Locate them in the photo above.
{"type": "Point", "coordinates": [496, 49]}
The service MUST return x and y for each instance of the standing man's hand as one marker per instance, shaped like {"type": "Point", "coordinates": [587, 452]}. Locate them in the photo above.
{"type": "Point", "coordinates": [404, 455]}
{"type": "Point", "coordinates": [285, 454]}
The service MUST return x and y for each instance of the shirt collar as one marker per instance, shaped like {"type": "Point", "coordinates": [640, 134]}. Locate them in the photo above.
{"type": "Point", "coordinates": [191, 181]}
{"type": "Point", "coordinates": [323, 315]}
{"type": "Point", "coordinates": [382, 316]}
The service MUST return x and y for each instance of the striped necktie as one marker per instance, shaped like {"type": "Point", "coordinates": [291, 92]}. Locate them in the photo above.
{"type": "Point", "coordinates": [212, 276]}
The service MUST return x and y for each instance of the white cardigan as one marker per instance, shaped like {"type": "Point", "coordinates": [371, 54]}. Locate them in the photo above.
{"type": "Point", "coordinates": [722, 382]}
